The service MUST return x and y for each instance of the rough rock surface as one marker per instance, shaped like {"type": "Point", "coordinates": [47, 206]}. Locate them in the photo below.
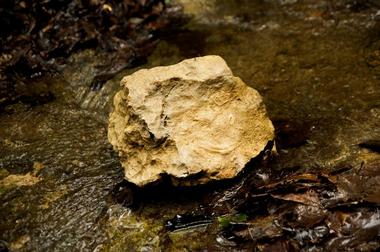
{"type": "Point", "coordinates": [192, 118]}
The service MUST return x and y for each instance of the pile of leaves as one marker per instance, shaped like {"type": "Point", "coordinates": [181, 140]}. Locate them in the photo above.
{"type": "Point", "coordinates": [36, 37]}
{"type": "Point", "coordinates": [308, 211]}
{"type": "Point", "coordinates": [295, 211]}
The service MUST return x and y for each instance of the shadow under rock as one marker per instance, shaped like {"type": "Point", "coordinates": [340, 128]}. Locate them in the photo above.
{"type": "Point", "coordinates": [132, 196]}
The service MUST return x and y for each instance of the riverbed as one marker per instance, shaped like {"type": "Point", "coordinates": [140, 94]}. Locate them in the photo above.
{"type": "Point", "coordinates": [317, 66]}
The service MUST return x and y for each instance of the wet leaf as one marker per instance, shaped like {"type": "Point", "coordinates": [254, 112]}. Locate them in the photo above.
{"type": "Point", "coordinates": [38, 36]}
{"type": "Point", "coordinates": [307, 198]}
{"type": "Point", "coordinates": [180, 222]}
{"type": "Point", "coordinates": [364, 185]}
{"type": "Point", "coordinates": [281, 245]}
{"type": "Point", "coordinates": [373, 145]}
{"type": "Point", "coordinates": [353, 229]}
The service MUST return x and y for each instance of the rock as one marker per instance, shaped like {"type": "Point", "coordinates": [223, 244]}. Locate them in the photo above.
{"type": "Point", "coordinates": [194, 121]}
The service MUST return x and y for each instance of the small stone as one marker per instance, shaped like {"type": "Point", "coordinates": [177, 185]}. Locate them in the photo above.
{"type": "Point", "coordinates": [192, 118]}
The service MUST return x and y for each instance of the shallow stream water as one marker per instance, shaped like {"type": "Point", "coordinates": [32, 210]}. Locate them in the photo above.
{"type": "Point", "coordinates": [316, 64]}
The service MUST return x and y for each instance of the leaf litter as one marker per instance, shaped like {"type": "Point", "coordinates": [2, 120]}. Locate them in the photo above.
{"type": "Point", "coordinates": [337, 211]}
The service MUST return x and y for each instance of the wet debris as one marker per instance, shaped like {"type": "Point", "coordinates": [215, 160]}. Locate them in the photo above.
{"type": "Point", "coordinates": [269, 210]}
{"type": "Point", "coordinates": [182, 222]}
{"type": "Point", "coordinates": [360, 186]}
{"type": "Point", "coordinates": [373, 145]}
{"type": "Point", "coordinates": [37, 37]}
{"type": "Point", "coordinates": [302, 211]}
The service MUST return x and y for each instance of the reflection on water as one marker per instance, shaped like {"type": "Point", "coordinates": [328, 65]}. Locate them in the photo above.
{"type": "Point", "coordinates": [316, 63]}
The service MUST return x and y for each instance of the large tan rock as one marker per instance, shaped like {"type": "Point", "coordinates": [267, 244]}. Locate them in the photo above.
{"type": "Point", "coordinates": [191, 118]}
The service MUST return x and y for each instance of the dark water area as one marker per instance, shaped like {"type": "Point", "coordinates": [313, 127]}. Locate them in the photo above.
{"type": "Point", "coordinates": [317, 66]}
